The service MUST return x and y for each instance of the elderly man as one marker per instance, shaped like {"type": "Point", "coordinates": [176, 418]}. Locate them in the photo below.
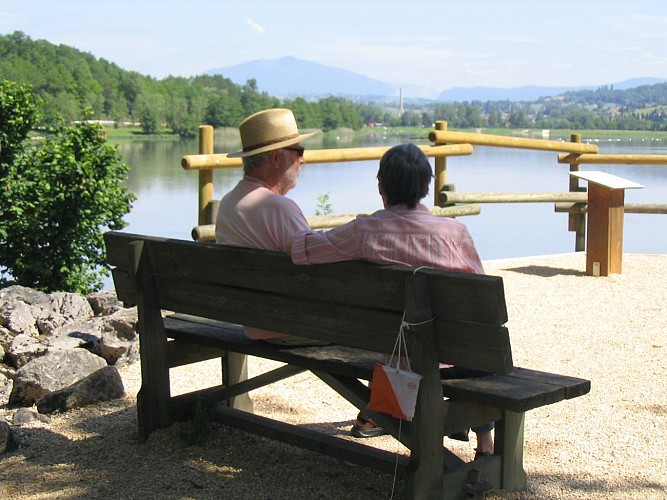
{"type": "Point", "coordinates": [256, 213]}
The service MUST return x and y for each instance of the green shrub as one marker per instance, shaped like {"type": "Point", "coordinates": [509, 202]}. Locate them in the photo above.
{"type": "Point", "coordinates": [60, 194]}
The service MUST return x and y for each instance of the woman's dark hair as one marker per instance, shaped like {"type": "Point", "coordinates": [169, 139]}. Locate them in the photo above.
{"type": "Point", "coordinates": [405, 175]}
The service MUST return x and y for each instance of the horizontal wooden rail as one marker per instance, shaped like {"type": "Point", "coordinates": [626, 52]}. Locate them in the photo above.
{"type": "Point", "coordinates": [204, 162]}
{"type": "Point", "coordinates": [614, 159]}
{"type": "Point", "coordinates": [629, 208]}
{"type": "Point", "coordinates": [502, 141]}
{"type": "Point", "coordinates": [456, 197]}
{"type": "Point", "coordinates": [206, 232]}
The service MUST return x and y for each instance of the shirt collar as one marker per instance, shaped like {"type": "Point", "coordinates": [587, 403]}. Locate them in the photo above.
{"type": "Point", "coordinates": [258, 182]}
{"type": "Point", "coordinates": [402, 208]}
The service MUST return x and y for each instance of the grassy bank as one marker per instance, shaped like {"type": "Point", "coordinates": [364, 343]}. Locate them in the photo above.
{"type": "Point", "coordinates": [136, 133]}
{"type": "Point", "coordinates": [565, 134]}
{"type": "Point", "coordinates": [421, 133]}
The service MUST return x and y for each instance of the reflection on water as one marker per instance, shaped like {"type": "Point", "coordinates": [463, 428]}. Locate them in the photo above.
{"type": "Point", "coordinates": [167, 194]}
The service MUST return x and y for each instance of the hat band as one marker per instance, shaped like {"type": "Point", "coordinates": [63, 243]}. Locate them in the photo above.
{"type": "Point", "coordinates": [268, 143]}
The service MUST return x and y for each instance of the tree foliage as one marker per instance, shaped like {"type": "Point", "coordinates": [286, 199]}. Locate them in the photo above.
{"type": "Point", "coordinates": [59, 195]}
{"type": "Point", "coordinates": [18, 114]}
{"type": "Point", "coordinates": [68, 80]}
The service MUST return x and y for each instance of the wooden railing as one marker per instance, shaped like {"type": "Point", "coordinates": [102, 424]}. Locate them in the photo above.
{"type": "Point", "coordinates": [605, 224]}
{"type": "Point", "coordinates": [446, 201]}
{"type": "Point", "coordinates": [207, 161]}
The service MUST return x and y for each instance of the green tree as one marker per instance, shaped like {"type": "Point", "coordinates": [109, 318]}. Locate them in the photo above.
{"type": "Point", "coordinates": [495, 119]}
{"type": "Point", "coordinates": [61, 195]}
{"type": "Point", "coordinates": [224, 111]}
{"type": "Point", "coordinates": [518, 118]}
{"type": "Point", "coordinates": [18, 114]}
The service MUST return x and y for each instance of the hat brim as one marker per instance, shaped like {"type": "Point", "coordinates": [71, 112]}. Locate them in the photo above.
{"type": "Point", "coordinates": [270, 147]}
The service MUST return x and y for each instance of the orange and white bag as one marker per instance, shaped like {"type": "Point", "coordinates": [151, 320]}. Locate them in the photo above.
{"type": "Point", "coordinates": [394, 389]}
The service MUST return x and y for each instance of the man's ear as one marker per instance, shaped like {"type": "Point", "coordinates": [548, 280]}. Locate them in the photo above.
{"type": "Point", "coordinates": [274, 157]}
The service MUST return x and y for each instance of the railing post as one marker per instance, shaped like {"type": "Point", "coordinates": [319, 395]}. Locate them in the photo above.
{"type": "Point", "coordinates": [440, 169]}
{"type": "Point", "coordinates": [606, 199]}
{"type": "Point", "coordinates": [576, 221]}
{"type": "Point", "coordinates": [205, 176]}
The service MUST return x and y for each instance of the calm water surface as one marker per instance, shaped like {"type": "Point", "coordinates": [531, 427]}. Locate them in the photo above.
{"type": "Point", "coordinates": [167, 195]}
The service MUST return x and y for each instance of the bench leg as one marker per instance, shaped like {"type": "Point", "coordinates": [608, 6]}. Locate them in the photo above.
{"type": "Point", "coordinates": [509, 444]}
{"type": "Point", "coordinates": [154, 397]}
{"type": "Point", "coordinates": [234, 370]}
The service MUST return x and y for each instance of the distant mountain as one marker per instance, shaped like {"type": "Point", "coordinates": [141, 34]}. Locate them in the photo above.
{"type": "Point", "coordinates": [530, 92]}
{"type": "Point", "coordinates": [637, 82]}
{"type": "Point", "coordinates": [292, 77]}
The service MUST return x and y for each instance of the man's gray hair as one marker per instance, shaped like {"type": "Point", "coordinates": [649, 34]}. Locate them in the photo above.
{"type": "Point", "coordinates": [255, 161]}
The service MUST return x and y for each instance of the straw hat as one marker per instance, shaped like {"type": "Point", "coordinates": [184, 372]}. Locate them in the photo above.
{"type": "Point", "coordinates": [268, 130]}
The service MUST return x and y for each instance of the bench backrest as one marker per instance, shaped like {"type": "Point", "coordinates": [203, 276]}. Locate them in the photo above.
{"type": "Point", "coordinates": [358, 304]}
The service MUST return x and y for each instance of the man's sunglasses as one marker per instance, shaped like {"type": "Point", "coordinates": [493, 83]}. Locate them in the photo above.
{"type": "Point", "coordinates": [298, 149]}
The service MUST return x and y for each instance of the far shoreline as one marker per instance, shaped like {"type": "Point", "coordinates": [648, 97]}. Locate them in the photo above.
{"type": "Point", "coordinates": [415, 133]}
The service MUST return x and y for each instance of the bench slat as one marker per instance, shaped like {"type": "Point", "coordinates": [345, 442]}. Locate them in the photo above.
{"type": "Point", "coordinates": [503, 391]}
{"type": "Point", "coordinates": [519, 391]}
{"type": "Point", "coordinates": [475, 346]}
{"type": "Point", "coordinates": [572, 386]}
{"type": "Point", "coordinates": [340, 323]}
{"type": "Point", "coordinates": [364, 284]}
{"type": "Point", "coordinates": [341, 360]}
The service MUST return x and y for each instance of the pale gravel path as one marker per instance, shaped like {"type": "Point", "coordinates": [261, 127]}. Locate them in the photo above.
{"type": "Point", "coordinates": [606, 445]}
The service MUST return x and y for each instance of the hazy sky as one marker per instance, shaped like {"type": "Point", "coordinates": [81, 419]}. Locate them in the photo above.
{"type": "Point", "coordinates": [441, 44]}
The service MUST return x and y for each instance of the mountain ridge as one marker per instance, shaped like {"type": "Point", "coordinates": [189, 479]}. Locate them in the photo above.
{"type": "Point", "coordinates": [289, 76]}
{"type": "Point", "coordinates": [285, 77]}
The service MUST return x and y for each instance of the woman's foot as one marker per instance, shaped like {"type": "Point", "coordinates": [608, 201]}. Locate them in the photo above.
{"type": "Point", "coordinates": [485, 444]}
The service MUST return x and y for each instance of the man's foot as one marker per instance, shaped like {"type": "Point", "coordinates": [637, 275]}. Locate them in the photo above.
{"type": "Point", "coordinates": [460, 436]}
{"type": "Point", "coordinates": [366, 428]}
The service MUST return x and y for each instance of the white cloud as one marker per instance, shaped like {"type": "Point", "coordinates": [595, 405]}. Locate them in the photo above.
{"type": "Point", "coordinates": [255, 26]}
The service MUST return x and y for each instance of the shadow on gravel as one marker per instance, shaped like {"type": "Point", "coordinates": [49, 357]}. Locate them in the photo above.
{"type": "Point", "coordinates": [100, 457]}
{"type": "Point", "coordinates": [546, 272]}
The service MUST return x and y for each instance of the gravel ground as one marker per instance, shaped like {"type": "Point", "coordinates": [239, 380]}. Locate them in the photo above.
{"type": "Point", "coordinates": [606, 445]}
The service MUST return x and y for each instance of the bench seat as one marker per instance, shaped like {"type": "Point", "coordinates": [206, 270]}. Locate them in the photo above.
{"type": "Point", "coordinates": [519, 391]}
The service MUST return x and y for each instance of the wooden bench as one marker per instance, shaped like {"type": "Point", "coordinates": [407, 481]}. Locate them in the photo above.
{"type": "Point", "coordinates": [211, 289]}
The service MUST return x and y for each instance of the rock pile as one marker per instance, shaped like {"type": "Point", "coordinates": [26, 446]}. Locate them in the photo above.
{"type": "Point", "coordinates": [60, 350]}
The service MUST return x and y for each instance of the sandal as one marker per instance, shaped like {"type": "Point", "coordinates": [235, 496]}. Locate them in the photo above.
{"type": "Point", "coordinates": [366, 428]}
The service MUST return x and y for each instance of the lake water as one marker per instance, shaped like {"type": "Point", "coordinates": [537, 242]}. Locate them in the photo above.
{"type": "Point", "coordinates": [167, 194]}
